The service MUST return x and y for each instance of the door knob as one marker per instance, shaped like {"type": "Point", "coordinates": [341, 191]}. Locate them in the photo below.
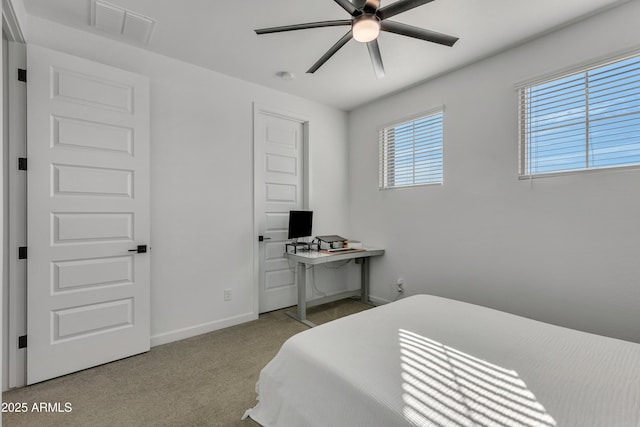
{"type": "Point", "coordinates": [141, 249]}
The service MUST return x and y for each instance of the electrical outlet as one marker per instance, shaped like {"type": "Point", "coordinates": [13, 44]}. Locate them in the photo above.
{"type": "Point", "coordinates": [227, 294]}
{"type": "Point", "coordinates": [400, 285]}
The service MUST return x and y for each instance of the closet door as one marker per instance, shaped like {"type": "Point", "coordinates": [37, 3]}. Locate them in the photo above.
{"type": "Point", "coordinates": [87, 214]}
{"type": "Point", "coordinates": [278, 188]}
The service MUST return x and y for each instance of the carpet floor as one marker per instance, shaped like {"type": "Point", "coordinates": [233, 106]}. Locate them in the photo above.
{"type": "Point", "coordinates": [207, 380]}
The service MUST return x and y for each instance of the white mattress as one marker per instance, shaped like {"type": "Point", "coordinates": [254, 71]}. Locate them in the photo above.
{"type": "Point", "coordinates": [430, 361]}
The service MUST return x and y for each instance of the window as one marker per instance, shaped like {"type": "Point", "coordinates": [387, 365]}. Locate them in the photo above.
{"type": "Point", "coordinates": [411, 152]}
{"type": "Point", "coordinates": [586, 120]}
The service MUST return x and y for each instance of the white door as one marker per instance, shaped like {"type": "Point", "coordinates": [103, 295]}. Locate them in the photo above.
{"type": "Point", "coordinates": [279, 188]}
{"type": "Point", "coordinates": [87, 208]}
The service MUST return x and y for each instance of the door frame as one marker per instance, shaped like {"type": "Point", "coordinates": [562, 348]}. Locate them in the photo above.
{"type": "Point", "coordinates": [305, 122]}
{"type": "Point", "coordinates": [15, 291]}
{"type": "Point", "coordinates": [15, 315]}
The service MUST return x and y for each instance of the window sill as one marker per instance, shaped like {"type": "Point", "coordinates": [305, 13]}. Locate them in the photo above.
{"type": "Point", "coordinates": [580, 171]}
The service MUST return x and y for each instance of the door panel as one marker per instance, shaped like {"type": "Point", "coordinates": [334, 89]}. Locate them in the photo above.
{"type": "Point", "coordinates": [82, 181]}
{"type": "Point", "coordinates": [86, 273]}
{"type": "Point", "coordinates": [72, 133]}
{"type": "Point", "coordinates": [88, 207]}
{"type": "Point", "coordinates": [279, 188]}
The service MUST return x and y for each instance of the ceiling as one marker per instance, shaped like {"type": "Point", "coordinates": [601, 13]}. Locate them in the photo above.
{"type": "Point", "coordinates": [218, 35]}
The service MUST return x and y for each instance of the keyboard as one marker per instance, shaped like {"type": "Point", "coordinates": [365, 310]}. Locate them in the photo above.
{"type": "Point", "coordinates": [339, 250]}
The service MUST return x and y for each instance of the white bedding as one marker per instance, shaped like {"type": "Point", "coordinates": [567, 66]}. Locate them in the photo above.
{"type": "Point", "coordinates": [430, 361]}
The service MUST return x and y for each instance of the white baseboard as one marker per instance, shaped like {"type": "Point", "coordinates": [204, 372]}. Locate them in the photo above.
{"type": "Point", "coordinates": [192, 331]}
{"type": "Point", "coordinates": [378, 301]}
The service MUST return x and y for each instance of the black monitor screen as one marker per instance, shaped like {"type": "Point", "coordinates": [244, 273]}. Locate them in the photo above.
{"type": "Point", "coordinates": [300, 224]}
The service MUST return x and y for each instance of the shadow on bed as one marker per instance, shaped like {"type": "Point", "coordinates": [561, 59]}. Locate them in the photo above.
{"type": "Point", "coordinates": [444, 386]}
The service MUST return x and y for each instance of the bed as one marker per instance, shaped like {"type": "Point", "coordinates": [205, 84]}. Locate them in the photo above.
{"type": "Point", "coordinates": [431, 361]}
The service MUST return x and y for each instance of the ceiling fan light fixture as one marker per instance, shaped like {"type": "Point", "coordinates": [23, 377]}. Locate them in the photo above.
{"type": "Point", "coordinates": [366, 22]}
{"type": "Point", "coordinates": [366, 28]}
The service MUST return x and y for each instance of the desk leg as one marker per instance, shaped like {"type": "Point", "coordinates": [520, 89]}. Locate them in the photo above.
{"type": "Point", "coordinates": [302, 291]}
{"type": "Point", "coordinates": [364, 280]}
{"type": "Point", "coordinates": [301, 315]}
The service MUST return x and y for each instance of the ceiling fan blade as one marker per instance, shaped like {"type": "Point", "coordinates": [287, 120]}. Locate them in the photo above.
{"type": "Point", "coordinates": [399, 7]}
{"type": "Point", "coordinates": [418, 33]}
{"type": "Point", "coordinates": [320, 24]}
{"type": "Point", "coordinates": [348, 6]}
{"type": "Point", "coordinates": [331, 52]}
{"type": "Point", "coordinates": [376, 58]}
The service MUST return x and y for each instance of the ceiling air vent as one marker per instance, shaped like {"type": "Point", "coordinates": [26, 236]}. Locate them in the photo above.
{"type": "Point", "coordinates": [121, 22]}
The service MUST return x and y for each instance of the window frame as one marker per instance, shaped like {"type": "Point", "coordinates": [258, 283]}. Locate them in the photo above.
{"type": "Point", "coordinates": [583, 68]}
{"type": "Point", "coordinates": [383, 163]}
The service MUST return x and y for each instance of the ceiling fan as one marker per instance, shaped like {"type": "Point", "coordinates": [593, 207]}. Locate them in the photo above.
{"type": "Point", "coordinates": [367, 20]}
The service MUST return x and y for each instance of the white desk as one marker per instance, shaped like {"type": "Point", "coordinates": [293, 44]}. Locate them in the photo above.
{"type": "Point", "coordinates": [312, 258]}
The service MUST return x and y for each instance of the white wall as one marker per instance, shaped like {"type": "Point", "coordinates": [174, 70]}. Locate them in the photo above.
{"type": "Point", "coordinates": [566, 251]}
{"type": "Point", "coordinates": [202, 179]}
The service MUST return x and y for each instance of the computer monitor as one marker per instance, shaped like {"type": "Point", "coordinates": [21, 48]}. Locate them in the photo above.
{"type": "Point", "coordinates": [300, 224]}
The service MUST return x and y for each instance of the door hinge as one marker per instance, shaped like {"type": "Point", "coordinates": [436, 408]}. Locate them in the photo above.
{"type": "Point", "coordinates": [22, 163]}
{"type": "Point", "coordinates": [22, 252]}
{"type": "Point", "coordinates": [22, 75]}
{"type": "Point", "coordinates": [22, 341]}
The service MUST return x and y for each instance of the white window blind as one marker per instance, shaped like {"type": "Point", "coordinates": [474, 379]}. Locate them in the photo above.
{"type": "Point", "coordinates": [411, 152]}
{"type": "Point", "coordinates": [586, 120]}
